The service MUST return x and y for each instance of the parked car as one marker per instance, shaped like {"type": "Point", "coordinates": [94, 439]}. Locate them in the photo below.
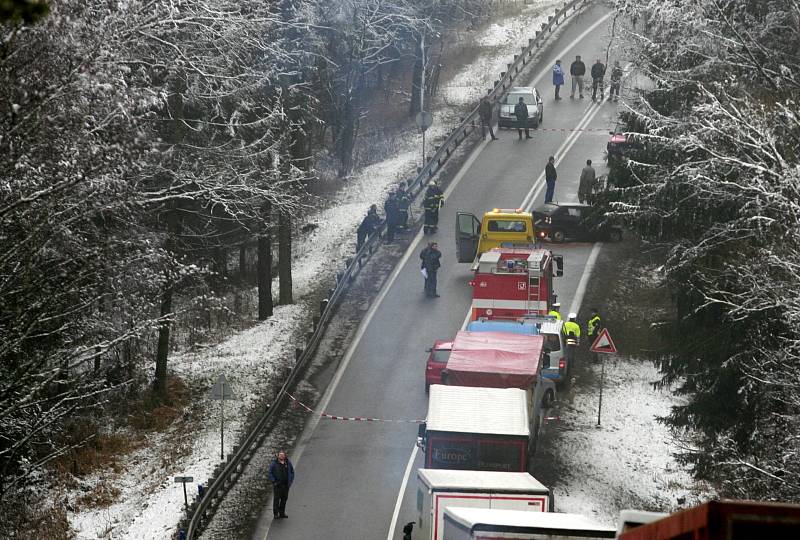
{"type": "Point", "coordinates": [531, 98]}
{"type": "Point", "coordinates": [561, 222]}
{"type": "Point", "coordinates": [437, 361]}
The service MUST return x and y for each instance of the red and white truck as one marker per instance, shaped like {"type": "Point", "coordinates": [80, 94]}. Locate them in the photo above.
{"type": "Point", "coordinates": [438, 489]}
{"type": "Point", "coordinates": [478, 429]}
{"type": "Point", "coordinates": [513, 282]}
{"type": "Point", "coordinates": [462, 523]}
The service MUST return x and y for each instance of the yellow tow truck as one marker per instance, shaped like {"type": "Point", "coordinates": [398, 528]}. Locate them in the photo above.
{"type": "Point", "coordinates": [500, 227]}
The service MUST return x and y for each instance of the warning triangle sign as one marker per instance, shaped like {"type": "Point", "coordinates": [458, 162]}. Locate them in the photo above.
{"type": "Point", "coordinates": [603, 343]}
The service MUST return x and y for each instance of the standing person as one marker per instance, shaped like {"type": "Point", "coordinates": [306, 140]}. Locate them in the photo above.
{"type": "Point", "coordinates": [550, 176]}
{"type": "Point", "coordinates": [571, 328]}
{"type": "Point", "coordinates": [403, 203]}
{"type": "Point", "coordinates": [281, 474]}
{"type": "Point", "coordinates": [616, 81]}
{"type": "Point", "coordinates": [434, 199]}
{"type": "Point", "coordinates": [598, 72]}
{"type": "Point", "coordinates": [486, 111]}
{"type": "Point", "coordinates": [392, 215]}
{"type": "Point", "coordinates": [558, 78]}
{"type": "Point", "coordinates": [555, 310]}
{"type": "Point", "coordinates": [431, 261]}
{"type": "Point", "coordinates": [586, 183]}
{"type": "Point", "coordinates": [521, 112]}
{"type": "Point", "coordinates": [368, 225]}
{"type": "Point", "coordinates": [577, 70]}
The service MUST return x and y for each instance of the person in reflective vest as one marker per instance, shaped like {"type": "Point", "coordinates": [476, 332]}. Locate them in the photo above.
{"type": "Point", "coordinates": [572, 328]}
{"type": "Point", "coordinates": [594, 325]}
{"type": "Point", "coordinates": [555, 311]}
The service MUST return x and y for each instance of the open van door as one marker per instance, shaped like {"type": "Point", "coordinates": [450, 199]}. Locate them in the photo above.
{"type": "Point", "coordinates": [468, 230]}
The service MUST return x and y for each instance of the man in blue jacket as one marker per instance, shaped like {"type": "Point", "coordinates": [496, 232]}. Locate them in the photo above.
{"type": "Point", "coordinates": [558, 77]}
{"type": "Point", "coordinates": [281, 474]}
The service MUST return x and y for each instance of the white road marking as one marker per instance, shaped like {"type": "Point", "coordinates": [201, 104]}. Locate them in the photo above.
{"type": "Point", "coordinates": [399, 503]}
{"type": "Point", "coordinates": [565, 147]}
{"type": "Point", "coordinates": [569, 142]}
{"type": "Point", "coordinates": [577, 300]}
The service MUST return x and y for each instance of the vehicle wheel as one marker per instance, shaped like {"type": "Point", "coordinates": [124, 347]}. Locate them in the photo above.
{"type": "Point", "coordinates": [557, 236]}
{"type": "Point", "coordinates": [615, 235]}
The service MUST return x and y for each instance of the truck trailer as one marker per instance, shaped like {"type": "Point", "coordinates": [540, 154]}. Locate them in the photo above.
{"type": "Point", "coordinates": [439, 489]}
{"type": "Point", "coordinates": [479, 429]}
{"type": "Point", "coordinates": [462, 523]}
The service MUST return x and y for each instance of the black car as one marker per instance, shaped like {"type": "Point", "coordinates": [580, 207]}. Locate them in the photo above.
{"type": "Point", "coordinates": [560, 222]}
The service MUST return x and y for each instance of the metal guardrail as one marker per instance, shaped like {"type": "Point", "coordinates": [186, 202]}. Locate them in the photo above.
{"type": "Point", "coordinates": [226, 474]}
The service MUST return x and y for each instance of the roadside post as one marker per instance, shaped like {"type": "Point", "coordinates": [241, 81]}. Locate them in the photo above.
{"type": "Point", "coordinates": [184, 480]}
{"type": "Point", "coordinates": [220, 392]}
{"type": "Point", "coordinates": [424, 119]}
{"type": "Point", "coordinates": [603, 344]}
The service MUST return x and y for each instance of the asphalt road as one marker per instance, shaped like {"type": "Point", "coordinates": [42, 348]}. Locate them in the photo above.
{"type": "Point", "coordinates": [350, 474]}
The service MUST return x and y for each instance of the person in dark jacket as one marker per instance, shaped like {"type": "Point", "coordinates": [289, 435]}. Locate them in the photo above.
{"type": "Point", "coordinates": [368, 225]}
{"type": "Point", "coordinates": [431, 261]}
{"type": "Point", "coordinates": [392, 215]}
{"type": "Point", "coordinates": [403, 204]}
{"type": "Point", "coordinates": [598, 72]}
{"type": "Point", "coordinates": [521, 112]}
{"type": "Point", "coordinates": [281, 474]}
{"type": "Point", "coordinates": [486, 111]}
{"type": "Point", "coordinates": [577, 70]}
{"type": "Point", "coordinates": [550, 176]}
{"type": "Point", "coordinates": [616, 81]}
{"type": "Point", "coordinates": [434, 199]}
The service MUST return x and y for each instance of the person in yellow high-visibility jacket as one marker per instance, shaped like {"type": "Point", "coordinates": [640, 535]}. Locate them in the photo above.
{"type": "Point", "coordinates": [571, 327]}
{"type": "Point", "coordinates": [594, 325]}
{"type": "Point", "coordinates": [555, 310]}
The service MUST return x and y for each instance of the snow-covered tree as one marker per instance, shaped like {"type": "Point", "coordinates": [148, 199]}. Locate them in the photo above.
{"type": "Point", "coordinates": [718, 182]}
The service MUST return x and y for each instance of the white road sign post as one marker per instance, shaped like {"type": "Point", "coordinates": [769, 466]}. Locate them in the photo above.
{"type": "Point", "coordinates": [603, 344]}
{"type": "Point", "coordinates": [184, 480]}
{"type": "Point", "coordinates": [221, 391]}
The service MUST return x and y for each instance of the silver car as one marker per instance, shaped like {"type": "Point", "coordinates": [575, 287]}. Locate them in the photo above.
{"type": "Point", "coordinates": [531, 98]}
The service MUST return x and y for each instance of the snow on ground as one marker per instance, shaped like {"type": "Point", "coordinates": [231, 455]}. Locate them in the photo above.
{"type": "Point", "coordinates": [498, 44]}
{"type": "Point", "coordinates": [628, 462]}
{"type": "Point", "coordinates": [150, 504]}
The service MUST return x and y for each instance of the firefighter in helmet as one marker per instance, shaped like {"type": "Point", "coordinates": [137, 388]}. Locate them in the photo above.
{"type": "Point", "coordinates": [555, 311]}
{"type": "Point", "coordinates": [571, 328]}
{"type": "Point", "coordinates": [433, 200]}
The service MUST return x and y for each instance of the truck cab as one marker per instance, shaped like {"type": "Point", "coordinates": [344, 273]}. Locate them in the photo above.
{"type": "Point", "coordinates": [499, 227]}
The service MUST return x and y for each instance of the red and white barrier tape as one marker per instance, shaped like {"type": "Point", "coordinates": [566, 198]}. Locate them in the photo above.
{"type": "Point", "coordinates": [350, 418]}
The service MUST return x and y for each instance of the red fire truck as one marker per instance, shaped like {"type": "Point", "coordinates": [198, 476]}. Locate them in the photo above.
{"type": "Point", "coordinates": [513, 282]}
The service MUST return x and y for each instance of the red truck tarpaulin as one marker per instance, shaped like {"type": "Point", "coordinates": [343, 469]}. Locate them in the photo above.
{"type": "Point", "coordinates": [494, 360]}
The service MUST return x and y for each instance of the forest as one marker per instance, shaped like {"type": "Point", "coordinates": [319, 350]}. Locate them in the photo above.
{"type": "Point", "coordinates": [155, 156]}
{"type": "Point", "coordinates": [715, 181]}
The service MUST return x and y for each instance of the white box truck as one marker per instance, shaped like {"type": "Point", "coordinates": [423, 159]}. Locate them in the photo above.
{"type": "Point", "coordinates": [438, 489]}
{"type": "Point", "coordinates": [462, 523]}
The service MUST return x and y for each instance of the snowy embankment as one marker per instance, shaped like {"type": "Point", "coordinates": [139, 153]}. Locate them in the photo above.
{"type": "Point", "coordinates": [149, 504]}
{"type": "Point", "coordinates": [628, 461]}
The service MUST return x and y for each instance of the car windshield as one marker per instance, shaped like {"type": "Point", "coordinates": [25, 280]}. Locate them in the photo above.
{"type": "Point", "coordinates": [441, 355]}
{"type": "Point", "coordinates": [513, 99]}
{"type": "Point", "coordinates": [497, 225]}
